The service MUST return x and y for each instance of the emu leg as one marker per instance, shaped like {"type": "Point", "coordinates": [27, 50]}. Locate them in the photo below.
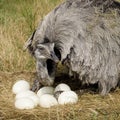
{"type": "Point", "coordinates": [104, 87]}
{"type": "Point", "coordinates": [36, 85]}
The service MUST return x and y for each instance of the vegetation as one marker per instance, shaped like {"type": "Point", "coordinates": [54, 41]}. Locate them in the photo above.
{"type": "Point", "coordinates": [18, 19]}
{"type": "Point", "coordinates": [89, 107]}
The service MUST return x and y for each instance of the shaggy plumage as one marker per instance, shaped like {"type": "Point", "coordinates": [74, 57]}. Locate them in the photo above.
{"type": "Point", "coordinates": [86, 34]}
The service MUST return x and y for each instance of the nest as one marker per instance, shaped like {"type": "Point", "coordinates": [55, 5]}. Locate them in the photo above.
{"type": "Point", "coordinates": [89, 106]}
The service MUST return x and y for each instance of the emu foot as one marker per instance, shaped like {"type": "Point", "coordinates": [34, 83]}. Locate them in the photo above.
{"type": "Point", "coordinates": [36, 85]}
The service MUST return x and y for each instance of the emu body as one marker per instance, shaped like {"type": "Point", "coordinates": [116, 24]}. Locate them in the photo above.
{"type": "Point", "coordinates": [86, 37]}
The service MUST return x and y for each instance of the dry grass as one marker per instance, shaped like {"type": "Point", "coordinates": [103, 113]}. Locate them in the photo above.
{"type": "Point", "coordinates": [89, 106]}
{"type": "Point", "coordinates": [18, 18]}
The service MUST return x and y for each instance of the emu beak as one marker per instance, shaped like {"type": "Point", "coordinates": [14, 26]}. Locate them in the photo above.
{"type": "Point", "coordinates": [54, 57]}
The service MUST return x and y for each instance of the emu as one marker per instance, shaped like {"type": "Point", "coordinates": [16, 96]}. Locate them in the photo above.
{"type": "Point", "coordinates": [85, 36]}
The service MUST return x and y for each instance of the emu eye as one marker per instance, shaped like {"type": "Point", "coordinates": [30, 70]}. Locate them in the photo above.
{"type": "Point", "coordinates": [41, 48]}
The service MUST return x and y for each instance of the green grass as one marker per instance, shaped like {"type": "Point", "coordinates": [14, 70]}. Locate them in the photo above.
{"type": "Point", "coordinates": [18, 19]}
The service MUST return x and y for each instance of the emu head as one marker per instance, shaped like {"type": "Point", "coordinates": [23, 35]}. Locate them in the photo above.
{"type": "Point", "coordinates": [46, 60]}
{"type": "Point", "coordinates": [45, 51]}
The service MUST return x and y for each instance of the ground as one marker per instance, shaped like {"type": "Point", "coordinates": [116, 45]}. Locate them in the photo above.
{"type": "Point", "coordinates": [89, 107]}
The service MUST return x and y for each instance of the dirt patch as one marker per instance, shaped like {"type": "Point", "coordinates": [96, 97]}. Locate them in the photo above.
{"type": "Point", "coordinates": [89, 107]}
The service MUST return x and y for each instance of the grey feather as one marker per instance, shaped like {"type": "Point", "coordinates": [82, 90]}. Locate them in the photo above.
{"type": "Point", "coordinates": [87, 35]}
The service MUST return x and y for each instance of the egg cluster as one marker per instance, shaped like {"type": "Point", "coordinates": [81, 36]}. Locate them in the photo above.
{"type": "Point", "coordinates": [45, 97]}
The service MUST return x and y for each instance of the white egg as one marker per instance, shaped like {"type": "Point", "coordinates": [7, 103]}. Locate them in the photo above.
{"type": "Point", "coordinates": [24, 103]}
{"type": "Point", "coordinates": [20, 85]}
{"type": "Point", "coordinates": [62, 87]}
{"type": "Point", "coordinates": [24, 94]}
{"type": "Point", "coordinates": [47, 100]}
{"type": "Point", "coordinates": [35, 99]}
{"type": "Point", "coordinates": [67, 97]}
{"type": "Point", "coordinates": [45, 90]}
